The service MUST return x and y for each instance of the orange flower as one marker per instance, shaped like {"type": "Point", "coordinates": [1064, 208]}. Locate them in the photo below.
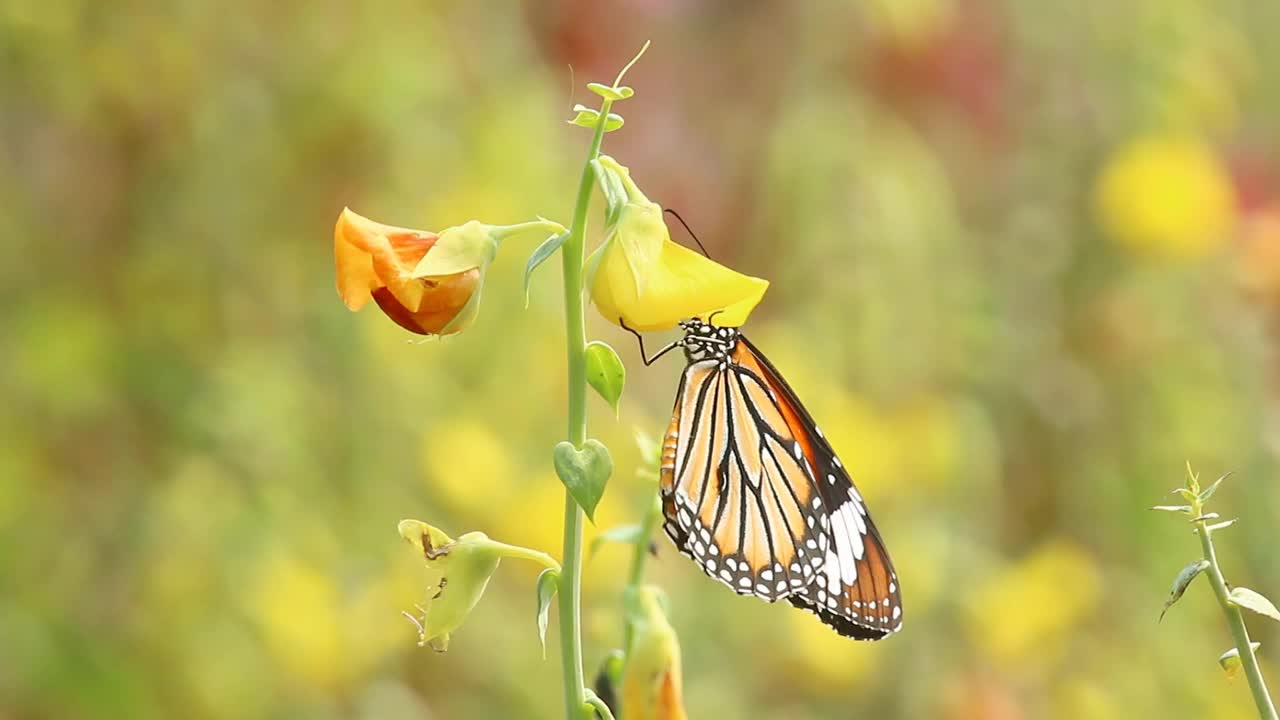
{"type": "Point", "coordinates": [376, 261]}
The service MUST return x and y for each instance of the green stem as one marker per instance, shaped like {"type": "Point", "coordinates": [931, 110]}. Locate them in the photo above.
{"type": "Point", "coordinates": [639, 556]}
{"type": "Point", "coordinates": [502, 232]}
{"type": "Point", "coordinates": [572, 255]}
{"type": "Point", "coordinates": [640, 553]}
{"type": "Point", "coordinates": [524, 553]}
{"type": "Point", "coordinates": [1257, 685]}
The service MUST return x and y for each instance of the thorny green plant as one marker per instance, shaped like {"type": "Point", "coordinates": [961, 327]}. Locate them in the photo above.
{"type": "Point", "coordinates": [1232, 600]}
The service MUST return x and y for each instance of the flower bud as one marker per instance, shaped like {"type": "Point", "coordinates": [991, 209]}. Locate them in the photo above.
{"type": "Point", "coordinates": [651, 682]}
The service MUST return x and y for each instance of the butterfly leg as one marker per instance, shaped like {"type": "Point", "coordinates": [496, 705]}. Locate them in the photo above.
{"type": "Point", "coordinates": [640, 339]}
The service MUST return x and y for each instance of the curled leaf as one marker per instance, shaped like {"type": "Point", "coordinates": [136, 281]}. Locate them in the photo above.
{"type": "Point", "coordinates": [595, 704]}
{"type": "Point", "coordinates": [540, 255]}
{"type": "Point", "coordinates": [1180, 583]}
{"type": "Point", "coordinates": [548, 585]}
{"type": "Point", "coordinates": [1185, 509]}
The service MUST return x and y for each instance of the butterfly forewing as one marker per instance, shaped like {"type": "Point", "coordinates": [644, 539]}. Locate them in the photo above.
{"type": "Point", "coordinates": [725, 490]}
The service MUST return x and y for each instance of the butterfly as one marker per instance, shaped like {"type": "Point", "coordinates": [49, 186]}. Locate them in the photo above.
{"type": "Point", "coordinates": [755, 495]}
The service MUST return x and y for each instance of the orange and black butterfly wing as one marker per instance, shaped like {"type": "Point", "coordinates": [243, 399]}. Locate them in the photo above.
{"type": "Point", "coordinates": [857, 591]}
{"type": "Point", "coordinates": [728, 487]}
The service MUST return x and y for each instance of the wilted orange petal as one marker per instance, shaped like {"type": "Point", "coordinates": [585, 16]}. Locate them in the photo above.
{"type": "Point", "coordinates": [372, 255]}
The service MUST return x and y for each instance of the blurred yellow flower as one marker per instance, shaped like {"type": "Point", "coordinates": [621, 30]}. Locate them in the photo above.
{"type": "Point", "coordinates": [467, 464]}
{"type": "Point", "coordinates": [1032, 608]}
{"type": "Point", "coordinates": [1166, 197]}
{"type": "Point", "coordinates": [643, 279]}
{"type": "Point", "coordinates": [651, 680]}
{"type": "Point", "coordinates": [300, 615]}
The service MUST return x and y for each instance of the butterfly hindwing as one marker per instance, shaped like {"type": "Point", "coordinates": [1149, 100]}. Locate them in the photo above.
{"type": "Point", "coordinates": [857, 592]}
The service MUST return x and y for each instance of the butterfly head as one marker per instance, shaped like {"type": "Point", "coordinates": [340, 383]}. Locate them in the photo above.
{"type": "Point", "coordinates": [704, 341]}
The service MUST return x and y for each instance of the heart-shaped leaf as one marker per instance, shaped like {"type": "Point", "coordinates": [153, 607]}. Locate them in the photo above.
{"type": "Point", "coordinates": [544, 251]}
{"type": "Point", "coordinates": [1255, 601]}
{"type": "Point", "coordinates": [584, 472]}
{"type": "Point", "coordinates": [1180, 583]}
{"type": "Point", "coordinates": [548, 585]}
{"type": "Point", "coordinates": [605, 372]}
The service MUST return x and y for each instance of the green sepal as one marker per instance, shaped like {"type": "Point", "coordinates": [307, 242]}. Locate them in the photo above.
{"type": "Point", "coordinates": [458, 249]}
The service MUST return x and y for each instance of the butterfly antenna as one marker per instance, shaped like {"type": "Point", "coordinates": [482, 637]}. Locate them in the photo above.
{"type": "Point", "coordinates": [686, 229]}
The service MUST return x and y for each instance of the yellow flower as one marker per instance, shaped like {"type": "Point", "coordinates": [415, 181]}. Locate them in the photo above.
{"type": "Point", "coordinates": [458, 572]}
{"type": "Point", "coordinates": [644, 280]}
{"type": "Point", "coordinates": [1167, 197]}
{"type": "Point", "coordinates": [651, 684]}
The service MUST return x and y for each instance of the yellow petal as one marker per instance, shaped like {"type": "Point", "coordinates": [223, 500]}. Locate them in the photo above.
{"type": "Point", "coordinates": [681, 285]}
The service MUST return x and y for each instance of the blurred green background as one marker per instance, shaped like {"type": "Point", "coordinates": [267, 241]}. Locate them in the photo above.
{"type": "Point", "coordinates": [1025, 262]}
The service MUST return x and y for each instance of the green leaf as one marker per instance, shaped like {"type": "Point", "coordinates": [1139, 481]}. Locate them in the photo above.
{"type": "Point", "coordinates": [544, 251]}
{"type": "Point", "coordinates": [1222, 525]}
{"type": "Point", "coordinates": [620, 534]}
{"type": "Point", "coordinates": [1185, 509]}
{"type": "Point", "coordinates": [605, 372]}
{"type": "Point", "coordinates": [548, 585]}
{"type": "Point", "coordinates": [1209, 491]}
{"type": "Point", "coordinates": [1181, 582]}
{"type": "Point", "coordinates": [594, 703]}
{"type": "Point", "coordinates": [587, 117]}
{"type": "Point", "coordinates": [621, 92]}
{"type": "Point", "coordinates": [1255, 601]}
{"type": "Point", "coordinates": [584, 472]}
